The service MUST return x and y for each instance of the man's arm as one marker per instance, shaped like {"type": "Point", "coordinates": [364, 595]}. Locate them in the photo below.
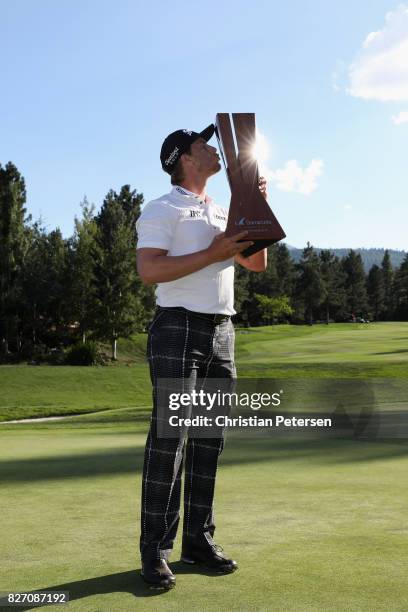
{"type": "Point", "coordinates": [155, 266]}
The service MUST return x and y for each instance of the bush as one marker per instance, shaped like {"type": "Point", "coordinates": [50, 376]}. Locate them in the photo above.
{"type": "Point", "coordinates": [84, 354]}
{"type": "Point", "coordinates": [39, 352]}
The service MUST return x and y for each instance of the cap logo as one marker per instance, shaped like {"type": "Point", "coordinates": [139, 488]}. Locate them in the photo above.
{"type": "Point", "coordinates": [171, 157]}
{"type": "Point", "coordinates": [189, 132]}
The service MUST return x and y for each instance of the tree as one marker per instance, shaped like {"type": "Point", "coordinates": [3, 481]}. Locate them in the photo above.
{"type": "Point", "coordinates": [56, 278]}
{"type": "Point", "coordinates": [388, 305]}
{"type": "Point", "coordinates": [131, 202]}
{"type": "Point", "coordinates": [401, 291]}
{"type": "Point", "coordinates": [273, 308]}
{"type": "Point", "coordinates": [242, 295]}
{"type": "Point", "coordinates": [33, 280]}
{"type": "Point", "coordinates": [285, 270]}
{"type": "Point", "coordinates": [310, 288]}
{"type": "Point", "coordinates": [12, 246]}
{"type": "Point", "coordinates": [83, 250]}
{"type": "Point", "coordinates": [118, 310]}
{"type": "Point", "coordinates": [356, 293]}
{"type": "Point", "coordinates": [375, 290]}
{"type": "Point", "coordinates": [45, 287]}
{"type": "Point", "coordinates": [333, 278]}
{"type": "Point", "coordinates": [265, 283]}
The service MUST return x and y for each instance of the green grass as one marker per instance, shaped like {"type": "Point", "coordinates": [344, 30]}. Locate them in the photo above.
{"type": "Point", "coordinates": [314, 525]}
{"type": "Point", "coordinates": [29, 391]}
{"type": "Point", "coordinates": [284, 351]}
{"type": "Point", "coordinates": [339, 350]}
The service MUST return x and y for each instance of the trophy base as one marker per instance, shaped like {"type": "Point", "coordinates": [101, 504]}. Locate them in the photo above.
{"type": "Point", "coordinates": [258, 246]}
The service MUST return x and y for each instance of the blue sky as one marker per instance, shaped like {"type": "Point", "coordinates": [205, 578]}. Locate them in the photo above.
{"type": "Point", "coordinates": [90, 88]}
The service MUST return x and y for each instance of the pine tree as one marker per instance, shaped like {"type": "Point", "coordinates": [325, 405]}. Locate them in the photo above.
{"type": "Point", "coordinates": [387, 281]}
{"type": "Point", "coordinates": [44, 281]}
{"type": "Point", "coordinates": [131, 202]}
{"type": "Point", "coordinates": [56, 266]}
{"type": "Point", "coordinates": [333, 279]}
{"type": "Point", "coordinates": [82, 283]}
{"type": "Point", "coordinates": [34, 282]}
{"type": "Point", "coordinates": [375, 290]}
{"type": "Point", "coordinates": [118, 307]}
{"type": "Point", "coordinates": [286, 271]}
{"type": "Point", "coordinates": [12, 248]}
{"type": "Point", "coordinates": [264, 283]}
{"type": "Point", "coordinates": [401, 291]}
{"type": "Point", "coordinates": [356, 293]}
{"type": "Point", "coordinates": [310, 289]}
{"type": "Point", "coordinates": [242, 294]}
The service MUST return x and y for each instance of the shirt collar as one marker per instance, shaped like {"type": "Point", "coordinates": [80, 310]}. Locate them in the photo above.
{"type": "Point", "coordinates": [177, 190]}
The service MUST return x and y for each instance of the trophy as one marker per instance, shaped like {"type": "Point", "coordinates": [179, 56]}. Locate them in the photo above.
{"type": "Point", "coordinates": [248, 208]}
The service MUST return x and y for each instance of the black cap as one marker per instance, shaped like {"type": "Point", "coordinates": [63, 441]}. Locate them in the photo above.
{"type": "Point", "coordinates": [178, 142]}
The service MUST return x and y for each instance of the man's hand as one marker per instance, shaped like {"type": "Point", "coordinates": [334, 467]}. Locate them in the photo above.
{"type": "Point", "coordinates": [262, 187]}
{"type": "Point", "coordinates": [223, 248]}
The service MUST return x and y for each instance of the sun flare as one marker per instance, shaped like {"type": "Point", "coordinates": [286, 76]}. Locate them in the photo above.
{"type": "Point", "coordinates": [260, 150]}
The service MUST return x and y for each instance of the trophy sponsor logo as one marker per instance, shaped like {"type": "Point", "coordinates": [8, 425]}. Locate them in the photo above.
{"type": "Point", "coordinates": [245, 221]}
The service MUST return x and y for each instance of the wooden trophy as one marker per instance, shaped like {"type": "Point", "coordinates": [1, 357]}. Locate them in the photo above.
{"type": "Point", "coordinates": [248, 208]}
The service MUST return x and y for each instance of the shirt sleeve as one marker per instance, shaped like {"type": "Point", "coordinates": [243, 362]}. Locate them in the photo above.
{"type": "Point", "coordinates": [155, 226]}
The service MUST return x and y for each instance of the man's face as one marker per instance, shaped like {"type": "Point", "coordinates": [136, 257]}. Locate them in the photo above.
{"type": "Point", "coordinates": [204, 157]}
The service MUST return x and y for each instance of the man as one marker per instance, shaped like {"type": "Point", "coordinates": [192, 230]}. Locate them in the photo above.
{"type": "Point", "coordinates": [183, 249]}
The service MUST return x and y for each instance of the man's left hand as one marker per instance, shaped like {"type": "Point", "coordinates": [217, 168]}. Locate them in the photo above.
{"type": "Point", "coordinates": [262, 187]}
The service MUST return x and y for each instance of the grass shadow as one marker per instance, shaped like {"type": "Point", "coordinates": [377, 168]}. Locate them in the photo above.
{"type": "Point", "coordinates": [122, 582]}
{"type": "Point", "coordinates": [392, 352]}
{"type": "Point", "coordinates": [239, 451]}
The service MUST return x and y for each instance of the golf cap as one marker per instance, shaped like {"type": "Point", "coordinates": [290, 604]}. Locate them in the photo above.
{"type": "Point", "coordinates": [177, 143]}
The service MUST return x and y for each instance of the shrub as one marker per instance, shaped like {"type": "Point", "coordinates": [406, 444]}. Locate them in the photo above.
{"type": "Point", "coordinates": [84, 354]}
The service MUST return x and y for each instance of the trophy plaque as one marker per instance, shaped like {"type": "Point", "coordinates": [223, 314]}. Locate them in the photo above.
{"type": "Point", "coordinates": [248, 208]}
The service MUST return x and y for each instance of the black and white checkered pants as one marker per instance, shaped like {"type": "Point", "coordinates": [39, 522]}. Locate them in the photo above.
{"type": "Point", "coordinates": [185, 345]}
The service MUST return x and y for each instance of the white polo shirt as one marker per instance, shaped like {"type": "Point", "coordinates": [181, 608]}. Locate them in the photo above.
{"type": "Point", "coordinates": [181, 223]}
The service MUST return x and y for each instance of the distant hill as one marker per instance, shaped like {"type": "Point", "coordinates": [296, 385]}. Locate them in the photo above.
{"type": "Point", "coordinates": [370, 257]}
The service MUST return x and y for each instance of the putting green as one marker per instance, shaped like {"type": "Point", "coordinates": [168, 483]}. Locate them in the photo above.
{"type": "Point", "coordinates": [314, 525]}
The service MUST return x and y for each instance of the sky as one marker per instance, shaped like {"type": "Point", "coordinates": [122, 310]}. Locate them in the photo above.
{"type": "Point", "coordinates": [90, 89]}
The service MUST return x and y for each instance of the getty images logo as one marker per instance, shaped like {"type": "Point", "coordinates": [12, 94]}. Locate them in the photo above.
{"type": "Point", "coordinates": [245, 221]}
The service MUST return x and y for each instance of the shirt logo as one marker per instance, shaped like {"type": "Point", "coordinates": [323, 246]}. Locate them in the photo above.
{"type": "Point", "coordinates": [180, 190]}
{"type": "Point", "coordinates": [220, 218]}
{"type": "Point", "coordinates": [195, 213]}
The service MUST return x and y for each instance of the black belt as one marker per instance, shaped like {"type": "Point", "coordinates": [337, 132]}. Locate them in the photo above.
{"type": "Point", "coordinates": [214, 318]}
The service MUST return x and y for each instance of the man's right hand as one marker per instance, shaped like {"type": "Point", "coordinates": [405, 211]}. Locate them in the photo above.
{"type": "Point", "coordinates": [223, 248]}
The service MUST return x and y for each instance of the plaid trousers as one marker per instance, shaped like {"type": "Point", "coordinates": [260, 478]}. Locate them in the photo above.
{"type": "Point", "coordinates": [182, 344]}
